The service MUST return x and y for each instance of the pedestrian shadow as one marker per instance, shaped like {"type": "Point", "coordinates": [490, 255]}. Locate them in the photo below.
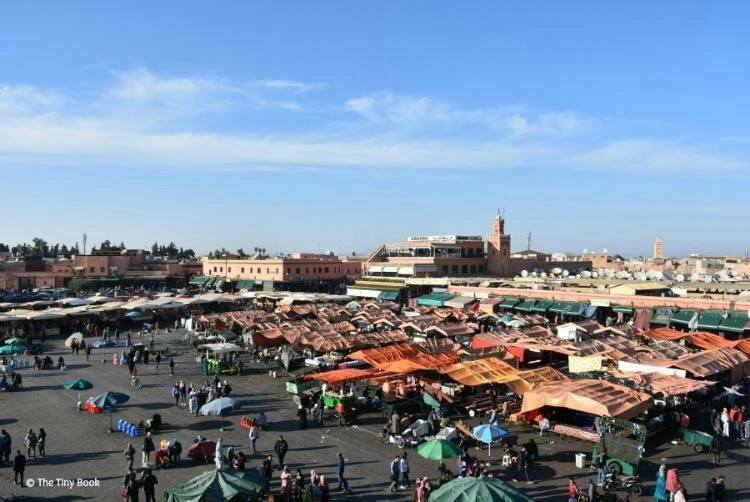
{"type": "Point", "coordinates": [67, 458]}
{"type": "Point", "coordinates": [149, 406]}
{"type": "Point", "coordinates": [7, 421]}
{"type": "Point", "coordinates": [209, 425]}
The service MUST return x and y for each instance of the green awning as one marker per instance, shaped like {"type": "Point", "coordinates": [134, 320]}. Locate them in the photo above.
{"type": "Point", "coordinates": [219, 283]}
{"type": "Point", "coordinates": [622, 309]}
{"type": "Point", "coordinates": [682, 317]}
{"type": "Point", "coordinates": [509, 303]}
{"type": "Point", "coordinates": [199, 280]}
{"type": "Point", "coordinates": [575, 309]}
{"type": "Point", "coordinates": [662, 316]}
{"type": "Point", "coordinates": [388, 295]}
{"type": "Point", "coordinates": [434, 299]}
{"type": "Point", "coordinates": [558, 307]}
{"type": "Point", "coordinates": [735, 323]}
{"type": "Point", "coordinates": [710, 320]}
{"type": "Point", "coordinates": [245, 284]}
{"type": "Point", "coordinates": [542, 306]}
{"type": "Point", "coordinates": [525, 306]}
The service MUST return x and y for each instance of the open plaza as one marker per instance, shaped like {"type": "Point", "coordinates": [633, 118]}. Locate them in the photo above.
{"type": "Point", "coordinates": [556, 390]}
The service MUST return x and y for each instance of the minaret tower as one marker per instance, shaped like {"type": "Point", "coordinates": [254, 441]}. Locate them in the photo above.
{"type": "Point", "coordinates": [498, 248]}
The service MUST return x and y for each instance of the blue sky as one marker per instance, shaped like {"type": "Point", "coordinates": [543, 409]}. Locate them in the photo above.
{"type": "Point", "coordinates": [340, 125]}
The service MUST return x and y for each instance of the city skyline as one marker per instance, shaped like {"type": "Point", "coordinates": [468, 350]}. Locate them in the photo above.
{"type": "Point", "coordinates": [595, 126]}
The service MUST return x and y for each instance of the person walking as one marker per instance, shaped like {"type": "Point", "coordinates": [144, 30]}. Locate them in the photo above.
{"type": "Point", "coordinates": [266, 468]}
{"type": "Point", "coordinates": [404, 468]}
{"type": "Point", "coordinates": [131, 486]}
{"type": "Point", "coordinates": [395, 472]}
{"type": "Point", "coordinates": [149, 482]}
{"type": "Point", "coordinates": [171, 366]}
{"type": "Point", "coordinates": [602, 467]}
{"type": "Point", "coordinates": [129, 455]}
{"type": "Point", "coordinates": [716, 449]}
{"type": "Point", "coordinates": [254, 434]}
{"type": "Point", "coordinates": [660, 492]}
{"type": "Point", "coordinates": [5, 447]}
{"type": "Point", "coordinates": [146, 449]}
{"type": "Point", "coordinates": [88, 352]}
{"type": "Point", "coordinates": [157, 360]}
{"type": "Point", "coordinates": [61, 363]}
{"type": "Point", "coordinates": [721, 489]}
{"type": "Point", "coordinates": [19, 466]}
{"type": "Point", "coordinates": [340, 464]}
{"type": "Point", "coordinates": [523, 466]}
{"type": "Point", "coordinates": [30, 441]}
{"type": "Point", "coordinates": [176, 394]}
{"type": "Point", "coordinates": [183, 392]}
{"type": "Point", "coordinates": [286, 483]}
{"type": "Point", "coordinates": [281, 447]}
{"type": "Point", "coordinates": [42, 442]}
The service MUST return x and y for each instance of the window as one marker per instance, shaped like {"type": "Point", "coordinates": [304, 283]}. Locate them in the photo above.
{"type": "Point", "coordinates": [481, 269]}
{"type": "Point", "coordinates": [454, 269]}
{"type": "Point", "coordinates": [307, 270]}
{"type": "Point", "coordinates": [268, 270]}
{"type": "Point", "coordinates": [101, 270]}
{"type": "Point", "coordinates": [297, 270]}
{"type": "Point", "coordinates": [221, 269]}
{"type": "Point", "coordinates": [259, 270]}
{"type": "Point", "coordinates": [473, 269]}
{"type": "Point", "coordinates": [445, 269]}
{"type": "Point", "coordinates": [92, 270]}
{"type": "Point", "coordinates": [242, 270]}
{"type": "Point", "coordinates": [216, 269]}
{"type": "Point", "coordinates": [288, 270]}
{"type": "Point", "coordinates": [464, 269]}
{"type": "Point", "coordinates": [326, 270]}
{"type": "Point", "coordinates": [229, 269]}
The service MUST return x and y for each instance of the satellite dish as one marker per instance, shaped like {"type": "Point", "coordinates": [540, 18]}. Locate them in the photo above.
{"type": "Point", "coordinates": [565, 273]}
{"type": "Point", "coordinates": [524, 273]}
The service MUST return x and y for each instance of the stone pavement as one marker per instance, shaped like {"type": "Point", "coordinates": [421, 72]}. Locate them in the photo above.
{"type": "Point", "coordinates": [79, 444]}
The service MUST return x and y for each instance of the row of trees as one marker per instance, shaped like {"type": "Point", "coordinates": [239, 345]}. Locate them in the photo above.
{"type": "Point", "coordinates": [41, 248]}
{"type": "Point", "coordinates": [240, 253]}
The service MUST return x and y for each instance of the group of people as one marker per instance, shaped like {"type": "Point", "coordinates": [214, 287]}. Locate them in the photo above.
{"type": "Point", "coordinates": [35, 445]}
{"type": "Point", "coordinates": [132, 485]}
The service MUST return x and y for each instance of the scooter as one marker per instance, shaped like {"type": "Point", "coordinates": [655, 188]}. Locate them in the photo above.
{"type": "Point", "coordinates": [630, 484]}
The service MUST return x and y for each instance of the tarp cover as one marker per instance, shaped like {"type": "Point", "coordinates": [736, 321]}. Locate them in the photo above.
{"type": "Point", "coordinates": [219, 484]}
{"type": "Point", "coordinates": [596, 397]}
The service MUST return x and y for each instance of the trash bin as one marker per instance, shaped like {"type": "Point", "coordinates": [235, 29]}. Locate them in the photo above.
{"type": "Point", "coordinates": [580, 460]}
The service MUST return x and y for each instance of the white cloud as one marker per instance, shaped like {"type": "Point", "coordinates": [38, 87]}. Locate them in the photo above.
{"type": "Point", "coordinates": [145, 119]}
{"type": "Point", "coordinates": [290, 85]}
{"type": "Point", "coordinates": [408, 111]}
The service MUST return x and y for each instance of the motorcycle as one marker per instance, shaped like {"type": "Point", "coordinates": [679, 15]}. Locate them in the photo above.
{"type": "Point", "coordinates": [630, 484]}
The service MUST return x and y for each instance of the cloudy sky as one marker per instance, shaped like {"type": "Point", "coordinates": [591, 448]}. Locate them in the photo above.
{"type": "Point", "coordinates": [340, 125]}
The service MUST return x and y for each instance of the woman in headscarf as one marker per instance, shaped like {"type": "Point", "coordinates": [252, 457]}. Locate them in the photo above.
{"type": "Point", "coordinates": [660, 493]}
{"type": "Point", "coordinates": [725, 423]}
{"type": "Point", "coordinates": [673, 482]}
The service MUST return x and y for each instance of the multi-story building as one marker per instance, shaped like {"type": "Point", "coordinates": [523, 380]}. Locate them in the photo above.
{"type": "Point", "coordinates": [300, 271]}
{"type": "Point", "coordinates": [459, 255]}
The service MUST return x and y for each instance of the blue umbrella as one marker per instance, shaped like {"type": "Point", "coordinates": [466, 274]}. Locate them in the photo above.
{"type": "Point", "coordinates": [488, 433]}
{"type": "Point", "coordinates": [109, 399]}
{"type": "Point", "coordinates": [220, 406]}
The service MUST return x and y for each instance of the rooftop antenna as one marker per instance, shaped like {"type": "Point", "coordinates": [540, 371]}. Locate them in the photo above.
{"type": "Point", "coordinates": [528, 241]}
{"type": "Point", "coordinates": [83, 238]}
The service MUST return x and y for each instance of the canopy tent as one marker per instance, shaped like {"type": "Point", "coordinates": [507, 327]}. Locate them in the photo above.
{"type": "Point", "coordinates": [708, 341]}
{"type": "Point", "coordinates": [75, 302]}
{"type": "Point", "coordinates": [710, 320]}
{"type": "Point", "coordinates": [221, 348]}
{"type": "Point", "coordinates": [77, 337]}
{"type": "Point", "coordinates": [665, 334]}
{"type": "Point", "coordinates": [662, 316]}
{"type": "Point", "coordinates": [342, 375]}
{"type": "Point", "coordinates": [665, 384]}
{"type": "Point", "coordinates": [524, 306]}
{"type": "Point", "coordinates": [219, 407]}
{"type": "Point", "coordinates": [483, 488]}
{"type": "Point", "coordinates": [106, 401]}
{"type": "Point", "coordinates": [434, 299]}
{"type": "Point", "coordinates": [711, 362]}
{"type": "Point", "coordinates": [439, 449]}
{"type": "Point", "coordinates": [219, 484]}
{"type": "Point", "coordinates": [460, 302]}
{"type": "Point", "coordinates": [7, 350]}
{"type": "Point", "coordinates": [542, 306]}
{"type": "Point", "coordinates": [736, 322]}
{"type": "Point", "coordinates": [596, 397]}
{"type": "Point", "coordinates": [528, 379]}
{"type": "Point", "coordinates": [488, 304]}
{"type": "Point", "coordinates": [79, 384]}
{"type": "Point", "coordinates": [480, 371]}
{"type": "Point", "coordinates": [509, 303]}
